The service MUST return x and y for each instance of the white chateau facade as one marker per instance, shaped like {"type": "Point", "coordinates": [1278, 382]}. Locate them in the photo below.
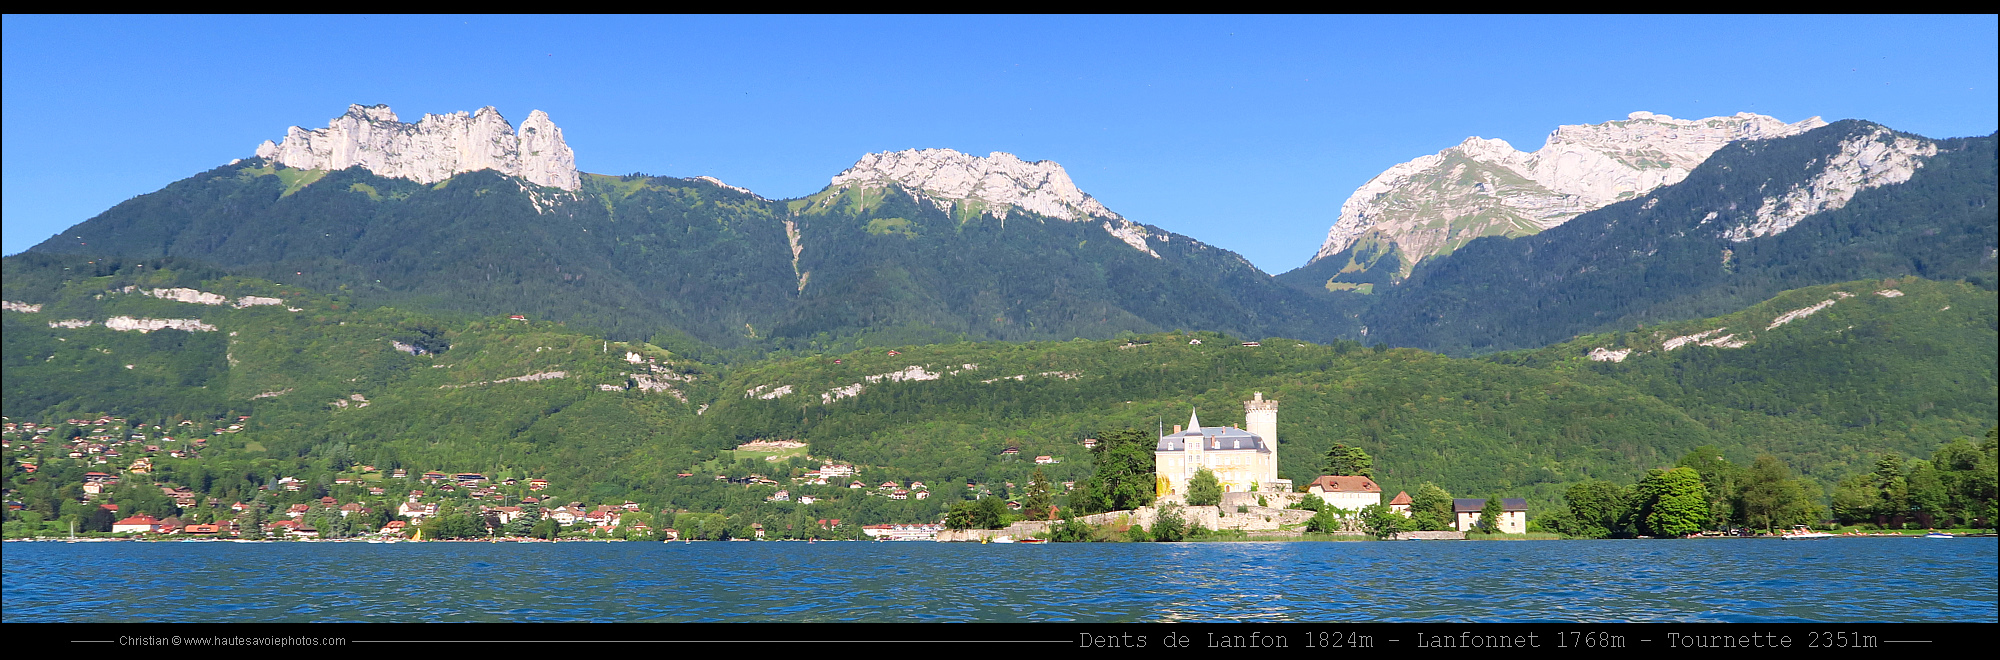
{"type": "Point", "coordinates": [1243, 460]}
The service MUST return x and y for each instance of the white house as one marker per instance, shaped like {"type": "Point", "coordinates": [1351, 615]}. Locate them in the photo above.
{"type": "Point", "coordinates": [1513, 517]}
{"type": "Point", "coordinates": [1351, 493]}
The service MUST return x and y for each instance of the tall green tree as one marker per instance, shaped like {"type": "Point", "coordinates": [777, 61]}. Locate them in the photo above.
{"type": "Point", "coordinates": [1595, 507]}
{"type": "Point", "coordinates": [1718, 477]}
{"type": "Point", "coordinates": [1772, 498]}
{"type": "Point", "coordinates": [1430, 508]}
{"type": "Point", "coordinates": [1039, 499]}
{"type": "Point", "coordinates": [1344, 460]}
{"type": "Point", "coordinates": [1490, 516]}
{"type": "Point", "coordinates": [1675, 502]}
{"type": "Point", "coordinates": [1122, 473]}
{"type": "Point", "coordinates": [1204, 489]}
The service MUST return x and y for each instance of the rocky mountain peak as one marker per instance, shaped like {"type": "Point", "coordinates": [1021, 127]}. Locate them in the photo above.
{"type": "Point", "coordinates": [1485, 187]}
{"type": "Point", "coordinates": [997, 183]}
{"type": "Point", "coordinates": [434, 148]}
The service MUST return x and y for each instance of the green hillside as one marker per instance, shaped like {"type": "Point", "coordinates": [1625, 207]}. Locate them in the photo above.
{"type": "Point", "coordinates": [1865, 375]}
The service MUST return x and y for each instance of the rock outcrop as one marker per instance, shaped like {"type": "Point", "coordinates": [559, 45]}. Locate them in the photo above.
{"type": "Point", "coordinates": [1876, 159]}
{"type": "Point", "coordinates": [433, 149]}
{"type": "Point", "coordinates": [999, 183]}
{"type": "Point", "coordinates": [1434, 204]}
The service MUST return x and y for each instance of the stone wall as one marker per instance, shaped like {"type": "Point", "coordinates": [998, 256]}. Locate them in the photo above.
{"type": "Point", "coordinates": [1429, 536]}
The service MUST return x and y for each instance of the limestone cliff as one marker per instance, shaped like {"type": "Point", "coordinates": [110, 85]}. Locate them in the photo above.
{"type": "Point", "coordinates": [1486, 187]}
{"type": "Point", "coordinates": [999, 183]}
{"type": "Point", "coordinates": [433, 149]}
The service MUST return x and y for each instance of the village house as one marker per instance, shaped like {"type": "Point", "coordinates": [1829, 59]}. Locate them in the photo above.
{"type": "Point", "coordinates": [415, 510]}
{"type": "Point", "coordinates": [297, 510]}
{"type": "Point", "coordinates": [1346, 492]}
{"type": "Point", "coordinates": [1044, 460]}
{"type": "Point", "coordinates": [1401, 503]}
{"type": "Point", "coordinates": [540, 484]}
{"type": "Point", "coordinates": [1513, 516]}
{"type": "Point", "coordinates": [141, 523]}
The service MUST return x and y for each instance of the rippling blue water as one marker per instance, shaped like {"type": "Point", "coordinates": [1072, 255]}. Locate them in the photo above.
{"type": "Point", "coordinates": [1715, 580]}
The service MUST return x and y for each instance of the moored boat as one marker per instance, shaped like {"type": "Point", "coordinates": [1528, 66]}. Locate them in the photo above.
{"type": "Point", "coordinates": [1802, 533]}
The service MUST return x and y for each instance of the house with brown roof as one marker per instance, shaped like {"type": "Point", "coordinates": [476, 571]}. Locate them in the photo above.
{"type": "Point", "coordinates": [1401, 503]}
{"type": "Point", "coordinates": [1347, 492]}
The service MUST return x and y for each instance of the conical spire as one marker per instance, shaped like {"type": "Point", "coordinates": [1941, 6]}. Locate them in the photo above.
{"type": "Point", "coordinates": [1194, 422]}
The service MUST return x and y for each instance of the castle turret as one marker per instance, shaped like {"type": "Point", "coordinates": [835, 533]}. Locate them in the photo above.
{"type": "Point", "coordinates": [1260, 416]}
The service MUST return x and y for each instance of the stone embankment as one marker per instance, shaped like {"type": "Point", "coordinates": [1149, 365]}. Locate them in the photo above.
{"type": "Point", "coordinates": [1429, 536]}
{"type": "Point", "coordinates": [1257, 520]}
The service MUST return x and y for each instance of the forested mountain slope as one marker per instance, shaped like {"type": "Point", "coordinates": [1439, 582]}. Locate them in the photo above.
{"type": "Point", "coordinates": [691, 262]}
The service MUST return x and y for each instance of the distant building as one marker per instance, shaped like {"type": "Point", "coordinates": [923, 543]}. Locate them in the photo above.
{"type": "Point", "coordinates": [1401, 503]}
{"type": "Point", "coordinates": [1346, 492]}
{"type": "Point", "coordinates": [1513, 520]}
{"type": "Point", "coordinates": [1243, 460]}
{"type": "Point", "coordinates": [139, 523]}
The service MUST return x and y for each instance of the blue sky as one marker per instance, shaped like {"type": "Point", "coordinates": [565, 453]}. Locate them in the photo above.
{"type": "Point", "coordinates": [1245, 132]}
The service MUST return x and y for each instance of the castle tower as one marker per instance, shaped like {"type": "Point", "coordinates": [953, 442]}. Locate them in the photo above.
{"type": "Point", "coordinates": [1260, 416]}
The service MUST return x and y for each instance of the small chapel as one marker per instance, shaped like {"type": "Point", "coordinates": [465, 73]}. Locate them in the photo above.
{"type": "Point", "coordinates": [1244, 460]}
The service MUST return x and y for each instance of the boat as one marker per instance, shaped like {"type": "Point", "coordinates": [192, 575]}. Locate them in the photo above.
{"type": "Point", "coordinates": [1802, 533]}
{"type": "Point", "coordinates": [1033, 541]}
{"type": "Point", "coordinates": [1939, 535]}
{"type": "Point", "coordinates": [1004, 539]}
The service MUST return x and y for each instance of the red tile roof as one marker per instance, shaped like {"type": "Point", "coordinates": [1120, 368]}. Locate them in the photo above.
{"type": "Point", "coordinates": [1342, 484]}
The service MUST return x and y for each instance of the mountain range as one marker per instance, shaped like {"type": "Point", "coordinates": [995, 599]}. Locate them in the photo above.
{"type": "Point", "coordinates": [454, 294]}
{"type": "Point", "coordinates": [463, 212]}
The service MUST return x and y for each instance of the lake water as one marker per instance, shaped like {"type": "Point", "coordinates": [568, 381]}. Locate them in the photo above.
{"type": "Point", "coordinates": [1712, 580]}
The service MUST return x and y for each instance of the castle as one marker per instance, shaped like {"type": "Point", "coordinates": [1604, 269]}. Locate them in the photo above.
{"type": "Point", "coordinates": [1243, 460]}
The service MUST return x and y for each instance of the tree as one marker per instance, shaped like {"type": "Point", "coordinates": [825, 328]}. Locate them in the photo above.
{"type": "Point", "coordinates": [1490, 516]}
{"type": "Point", "coordinates": [1329, 519]}
{"type": "Point", "coordinates": [1168, 526]}
{"type": "Point", "coordinates": [1594, 509]}
{"type": "Point", "coordinates": [1676, 502]}
{"type": "Point", "coordinates": [1430, 508]}
{"type": "Point", "coordinates": [1771, 498]}
{"type": "Point", "coordinates": [546, 528]}
{"type": "Point", "coordinates": [1349, 461]}
{"type": "Point", "coordinates": [99, 520]}
{"type": "Point", "coordinates": [1122, 473]}
{"type": "Point", "coordinates": [984, 513]}
{"type": "Point", "coordinates": [1204, 489]}
{"type": "Point", "coordinates": [1383, 520]}
{"type": "Point", "coordinates": [1719, 478]}
{"type": "Point", "coordinates": [1072, 531]}
{"type": "Point", "coordinates": [1038, 501]}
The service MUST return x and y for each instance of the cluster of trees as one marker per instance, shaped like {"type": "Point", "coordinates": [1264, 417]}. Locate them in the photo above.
{"type": "Point", "coordinates": [1704, 492]}
{"type": "Point", "coordinates": [1956, 487]}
